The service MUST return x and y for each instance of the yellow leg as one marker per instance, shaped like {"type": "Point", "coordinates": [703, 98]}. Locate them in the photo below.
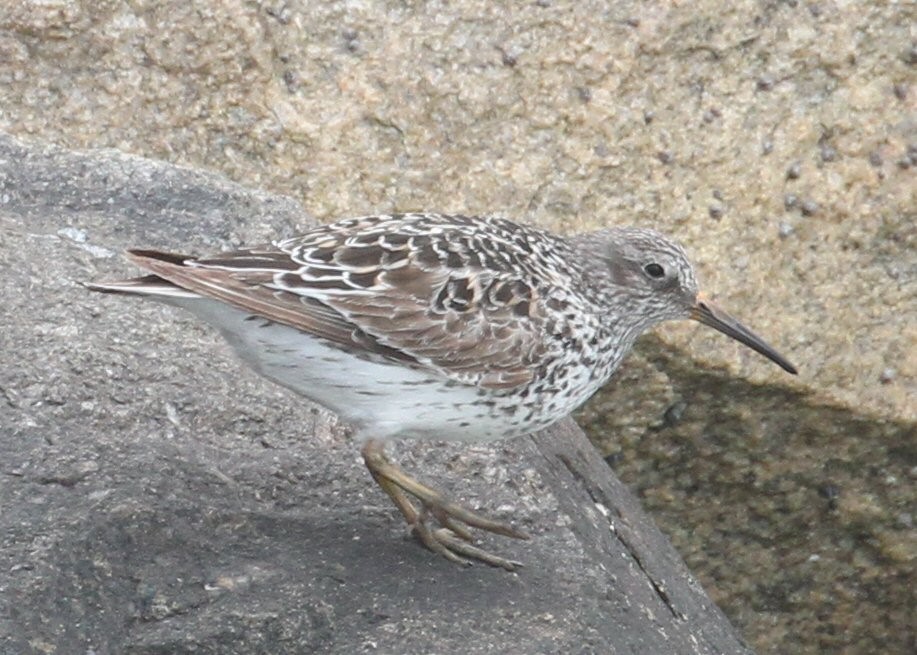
{"type": "Point", "coordinates": [452, 539]}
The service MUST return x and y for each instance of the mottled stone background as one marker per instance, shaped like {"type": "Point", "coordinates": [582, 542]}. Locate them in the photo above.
{"type": "Point", "coordinates": [778, 140]}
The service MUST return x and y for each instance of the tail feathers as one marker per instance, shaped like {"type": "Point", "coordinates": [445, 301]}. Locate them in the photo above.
{"type": "Point", "coordinates": [140, 255]}
{"type": "Point", "coordinates": [148, 285]}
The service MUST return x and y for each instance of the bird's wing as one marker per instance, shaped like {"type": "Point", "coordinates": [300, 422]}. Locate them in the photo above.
{"type": "Point", "coordinates": [452, 294]}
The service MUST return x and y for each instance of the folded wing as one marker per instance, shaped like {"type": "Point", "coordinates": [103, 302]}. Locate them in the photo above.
{"type": "Point", "coordinates": [391, 287]}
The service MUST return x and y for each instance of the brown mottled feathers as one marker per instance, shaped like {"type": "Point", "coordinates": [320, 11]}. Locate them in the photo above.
{"type": "Point", "coordinates": [469, 308]}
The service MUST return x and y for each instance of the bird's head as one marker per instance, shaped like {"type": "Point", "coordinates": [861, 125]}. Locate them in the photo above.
{"type": "Point", "coordinates": [648, 278]}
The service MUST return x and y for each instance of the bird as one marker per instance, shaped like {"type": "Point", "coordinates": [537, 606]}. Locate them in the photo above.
{"type": "Point", "coordinates": [438, 327]}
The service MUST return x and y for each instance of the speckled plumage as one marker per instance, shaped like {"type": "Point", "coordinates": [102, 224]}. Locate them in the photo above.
{"type": "Point", "coordinates": [436, 326]}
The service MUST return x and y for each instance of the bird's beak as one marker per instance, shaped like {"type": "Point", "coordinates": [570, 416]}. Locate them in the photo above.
{"type": "Point", "coordinates": [707, 313]}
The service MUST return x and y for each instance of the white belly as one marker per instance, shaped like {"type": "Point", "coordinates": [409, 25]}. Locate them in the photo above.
{"type": "Point", "coordinates": [380, 399]}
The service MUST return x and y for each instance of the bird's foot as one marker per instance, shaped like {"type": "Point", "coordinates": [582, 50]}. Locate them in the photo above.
{"type": "Point", "coordinates": [454, 539]}
{"type": "Point", "coordinates": [457, 549]}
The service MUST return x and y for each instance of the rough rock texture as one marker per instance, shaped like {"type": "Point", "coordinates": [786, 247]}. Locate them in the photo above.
{"type": "Point", "coordinates": [160, 499]}
{"type": "Point", "coordinates": [777, 139]}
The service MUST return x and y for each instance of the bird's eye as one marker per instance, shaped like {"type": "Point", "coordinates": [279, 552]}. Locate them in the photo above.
{"type": "Point", "coordinates": [655, 271]}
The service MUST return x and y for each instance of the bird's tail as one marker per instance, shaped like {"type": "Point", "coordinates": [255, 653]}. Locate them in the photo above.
{"type": "Point", "coordinates": [147, 285]}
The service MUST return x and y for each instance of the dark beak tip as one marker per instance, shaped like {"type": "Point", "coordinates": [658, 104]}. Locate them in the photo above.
{"type": "Point", "coordinates": [712, 316]}
{"type": "Point", "coordinates": [789, 368]}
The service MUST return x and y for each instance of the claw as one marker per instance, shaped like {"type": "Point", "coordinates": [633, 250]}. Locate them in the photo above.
{"type": "Point", "coordinates": [453, 540]}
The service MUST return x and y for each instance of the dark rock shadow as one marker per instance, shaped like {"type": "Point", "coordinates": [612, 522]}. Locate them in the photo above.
{"type": "Point", "coordinates": [781, 503]}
